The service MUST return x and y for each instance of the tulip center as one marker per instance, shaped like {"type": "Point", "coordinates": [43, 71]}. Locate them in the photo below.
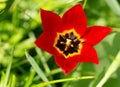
{"type": "Point", "coordinates": [68, 43]}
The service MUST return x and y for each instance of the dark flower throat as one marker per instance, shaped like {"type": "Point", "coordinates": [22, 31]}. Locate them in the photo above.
{"type": "Point", "coordinates": [68, 43]}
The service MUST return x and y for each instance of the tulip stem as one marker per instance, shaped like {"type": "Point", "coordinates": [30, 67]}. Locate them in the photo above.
{"type": "Point", "coordinates": [84, 4]}
{"type": "Point", "coordinates": [63, 80]}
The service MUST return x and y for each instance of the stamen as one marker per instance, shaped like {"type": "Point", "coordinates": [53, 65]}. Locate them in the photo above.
{"type": "Point", "coordinates": [62, 43]}
{"type": "Point", "coordinates": [68, 43]}
{"type": "Point", "coordinates": [72, 45]}
{"type": "Point", "coordinates": [66, 48]}
{"type": "Point", "coordinates": [75, 39]}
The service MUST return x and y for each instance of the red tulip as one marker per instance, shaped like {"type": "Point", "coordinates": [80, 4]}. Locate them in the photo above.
{"type": "Point", "coordinates": [69, 39]}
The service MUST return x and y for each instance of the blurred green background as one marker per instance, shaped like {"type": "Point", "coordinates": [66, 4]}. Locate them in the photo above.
{"type": "Point", "coordinates": [20, 25]}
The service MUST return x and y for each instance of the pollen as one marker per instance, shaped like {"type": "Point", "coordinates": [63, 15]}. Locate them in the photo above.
{"type": "Point", "coordinates": [68, 43]}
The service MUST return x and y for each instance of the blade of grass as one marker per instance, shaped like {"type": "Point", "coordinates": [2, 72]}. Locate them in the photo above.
{"type": "Point", "coordinates": [29, 80]}
{"type": "Point", "coordinates": [12, 81]}
{"type": "Point", "coordinates": [8, 70]}
{"type": "Point", "coordinates": [39, 52]}
{"type": "Point", "coordinates": [2, 79]}
{"type": "Point", "coordinates": [4, 13]}
{"type": "Point", "coordinates": [7, 75]}
{"type": "Point", "coordinates": [97, 80]}
{"type": "Point", "coordinates": [114, 5]}
{"type": "Point", "coordinates": [36, 67]}
{"type": "Point", "coordinates": [113, 67]}
{"type": "Point", "coordinates": [42, 58]}
{"type": "Point", "coordinates": [63, 80]}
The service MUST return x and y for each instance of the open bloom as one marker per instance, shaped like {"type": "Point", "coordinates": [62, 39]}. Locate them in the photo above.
{"type": "Point", "coordinates": [69, 39]}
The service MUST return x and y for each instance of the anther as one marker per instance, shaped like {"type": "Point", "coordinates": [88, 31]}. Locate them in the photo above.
{"type": "Point", "coordinates": [72, 45]}
{"type": "Point", "coordinates": [68, 42]}
{"type": "Point", "coordinates": [66, 48]}
{"type": "Point", "coordinates": [62, 42]}
{"type": "Point", "coordinates": [75, 40]}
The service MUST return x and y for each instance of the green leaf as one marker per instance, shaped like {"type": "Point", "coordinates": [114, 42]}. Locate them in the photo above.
{"type": "Point", "coordinates": [113, 67]}
{"type": "Point", "coordinates": [97, 80]}
{"type": "Point", "coordinates": [114, 5]}
{"type": "Point", "coordinates": [36, 67]}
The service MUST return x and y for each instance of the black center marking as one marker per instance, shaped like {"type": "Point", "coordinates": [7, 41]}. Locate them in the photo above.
{"type": "Point", "coordinates": [68, 43]}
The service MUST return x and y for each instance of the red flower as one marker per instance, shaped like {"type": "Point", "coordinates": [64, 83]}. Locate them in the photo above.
{"type": "Point", "coordinates": [69, 39]}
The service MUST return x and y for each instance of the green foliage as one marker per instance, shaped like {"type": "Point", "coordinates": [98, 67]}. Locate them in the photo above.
{"type": "Point", "coordinates": [20, 25]}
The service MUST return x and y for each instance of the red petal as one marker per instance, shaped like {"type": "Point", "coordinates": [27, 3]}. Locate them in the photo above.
{"type": "Point", "coordinates": [88, 54]}
{"type": "Point", "coordinates": [45, 41]}
{"type": "Point", "coordinates": [50, 21]}
{"type": "Point", "coordinates": [67, 65]}
{"type": "Point", "coordinates": [75, 18]}
{"type": "Point", "coordinates": [95, 34]}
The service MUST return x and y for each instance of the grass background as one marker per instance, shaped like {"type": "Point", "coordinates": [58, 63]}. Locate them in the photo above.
{"type": "Point", "coordinates": [22, 64]}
